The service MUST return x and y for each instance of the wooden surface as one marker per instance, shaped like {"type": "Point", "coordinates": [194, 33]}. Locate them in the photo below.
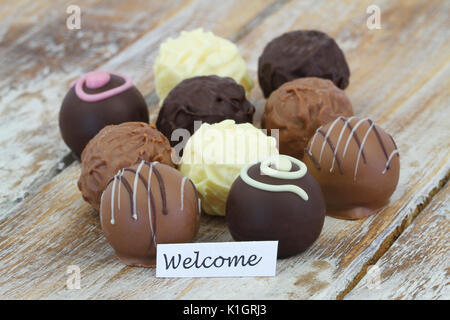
{"type": "Point", "coordinates": [400, 78]}
{"type": "Point", "coordinates": [416, 266]}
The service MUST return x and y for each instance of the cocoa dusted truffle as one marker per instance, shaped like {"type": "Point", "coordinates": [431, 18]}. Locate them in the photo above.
{"type": "Point", "coordinates": [116, 147]}
{"type": "Point", "coordinates": [299, 107]}
{"type": "Point", "coordinates": [356, 164]}
{"type": "Point", "coordinates": [298, 54]}
{"type": "Point", "coordinates": [276, 199]}
{"type": "Point", "coordinates": [96, 100]}
{"type": "Point", "coordinates": [209, 99]}
{"type": "Point", "coordinates": [147, 204]}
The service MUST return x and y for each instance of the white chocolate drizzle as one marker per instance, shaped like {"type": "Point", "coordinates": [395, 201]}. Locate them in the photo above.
{"type": "Point", "coordinates": [363, 142]}
{"type": "Point", "coordinates": [351, 135]}
{"type": "Point", "coordinates": [326, 137]}
{"type": "Point", "coordinates": [120, 184]}
{"type": "Point", "coordinates": [183, 182]}
{"type": "Point", "coordinates": [133, 195]}
{"type": "Point", "coordinates": [113, 193]}
{"type": "Point", "coordinates": [283, 166]}
{"type": "Point", "coordinates": [312, 141]}
{"type": "Point", "coordinates": [149, 182]}
{"type": "Point", "coordinates": [135, 185]}
{"type": "Point", "coordinates": [339, 141]}
{"type": "Point", "coordinates": [388, 162]}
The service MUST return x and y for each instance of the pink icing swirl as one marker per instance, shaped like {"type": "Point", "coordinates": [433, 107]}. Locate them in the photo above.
{"type": "Point", "coordinates": [97, 79]}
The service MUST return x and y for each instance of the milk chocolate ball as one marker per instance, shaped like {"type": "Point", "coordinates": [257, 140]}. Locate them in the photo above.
{"type": "Point", "coordinates": [116, 147]}
{"type": "Point", "coordinates": [208, 99]}
{"type": "Point", "coordinates": [276, 200]}
{"type": "Point", "coordinates": [298, 54]}
{"type": "Point", "coordinates": [145, 205]}
{"type": "Point", "coordinates": [356, 164]}
{"type": "Point", "coordinates": [299, 107]}
{"type": "Point", "coordinates": [96, 100]}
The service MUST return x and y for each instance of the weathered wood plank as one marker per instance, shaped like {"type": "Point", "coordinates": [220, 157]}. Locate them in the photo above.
{"type": "Point", "coordinates": [39, 65]}
{"type": "Point", "coordinates": [36, 248]}
{"type": "Point", "coordinates": [417, 266]}
{"type": "Point", "coordinates": [39, 57]}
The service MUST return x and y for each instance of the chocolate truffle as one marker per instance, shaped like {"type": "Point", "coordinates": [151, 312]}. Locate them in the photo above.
{"type": "Point", "coordinates": [298, 54]}
{"type": "Point", "coordinates": [197, 53]}
{"type": "Point", "coordinates": [356, 164]}
{"type": "Point", "coordinates": [116, 147]}
{"type": "Point", "coordinates": [276, 199]}
{"type": "Point", "coordinates": [207, 99]}
{"type": "Point", "coordinates": [96, 100]}
{"type": "Point", "coordinates": [147, 204]}
{"type": "Point", "coordinates": [215, 154]}
{"type": "Point", "coordinates": [299, 107]}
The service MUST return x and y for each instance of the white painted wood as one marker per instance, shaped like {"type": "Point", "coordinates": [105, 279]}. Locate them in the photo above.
{"type": "Point", "coordinates": [113, 38]}
{"type": "Point", "coordinates": [392, 81]}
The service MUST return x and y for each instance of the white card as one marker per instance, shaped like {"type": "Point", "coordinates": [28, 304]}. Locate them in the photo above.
{"type": "Point", "coordinates": [217, 259]}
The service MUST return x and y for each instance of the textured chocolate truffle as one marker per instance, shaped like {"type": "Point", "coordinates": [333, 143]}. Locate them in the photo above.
{"type": "Point", "coordinates": [298, 54]}
{"type": "Point", "coordinates": [116, 147]}
{"type": "Point", "coordinates": [280, 201]}
{"type": "Point", "coordinates": [299, 107]}
{"type": "Point", "coordinates": [356, 164]}
{"type": "Point", "coordinates": [147, 204]}
{"type": "Point", "coordinates": [209, 99]}
{"type": "Point", "coordinates": [96, 100]}
{"type": "Point", "coordinates": [215, 154]}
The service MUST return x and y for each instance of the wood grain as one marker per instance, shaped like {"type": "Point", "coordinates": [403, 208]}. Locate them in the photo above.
{"type": "Point", "coordinates": [400, 78]}
{"type": "Point", "coordinates": [40, 57]}
{"type": "Point", "coordinates": [417, 266]}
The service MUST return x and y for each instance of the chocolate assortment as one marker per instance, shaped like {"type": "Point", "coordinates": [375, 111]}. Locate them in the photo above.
{"type": "Point", "coordinates": [117, 147]}
{"type": "Point", "coordinates": [209, 99]}
{"type": "Point", "coordinates": [96, 100]}
{"type": "Point", "coordinates": [356, 164]}
{"type": "Point", "coordinates": [147, 204]}
{"type": "Point", "coordinates": [299, 107]}
{"type": "Point", "coordinates": [298, 54]}
{"type": "Point", "coordinates": [215, 154]}
{"type": "Point", "coordinates": [327, 161]}
{"type": "Point", "coordinates": [276, 199]}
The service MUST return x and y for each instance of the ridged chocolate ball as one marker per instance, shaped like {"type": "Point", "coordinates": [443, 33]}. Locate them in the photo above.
{"type": "Point", "coordinates": [299, 107]}
{"type": "Point", "coordinates": [298, 54]}
{"type": "Point", "coordinates": [209, 99]}
{"type": "Point", "coordinates": [116, 147]}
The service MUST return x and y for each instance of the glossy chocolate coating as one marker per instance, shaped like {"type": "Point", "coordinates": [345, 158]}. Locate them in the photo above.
{"type": "Point", "coordinates": [254, 214]}
{"type": "Point", "coordinates": [299, 107]}
{"type": "Point", "coordinates": [134, 217]}
{"type": "Point", "coordinates": [298, 54]}
{"type": "Point", "coordinates": [359, 179]}
{"type": "Point", "coordinates": [116, 147]}
{"type": "Point", "coordinates": [80, 120]}
{"type": "Point", "coordinates": [209, 99]}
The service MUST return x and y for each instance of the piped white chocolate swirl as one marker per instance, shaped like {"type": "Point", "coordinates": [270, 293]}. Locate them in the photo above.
{"type": "Point", "coordinates": [283, 166]}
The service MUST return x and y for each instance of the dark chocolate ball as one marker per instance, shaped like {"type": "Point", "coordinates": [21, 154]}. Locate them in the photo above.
{"type": "Point", "coordinates": [209, 99]}
{"type": "Point", "coordinates": [298, 54]}
{"type": "Point", "coordinates": [96, 100]}
{"type": "Point", "coordinates": [254, 214]}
